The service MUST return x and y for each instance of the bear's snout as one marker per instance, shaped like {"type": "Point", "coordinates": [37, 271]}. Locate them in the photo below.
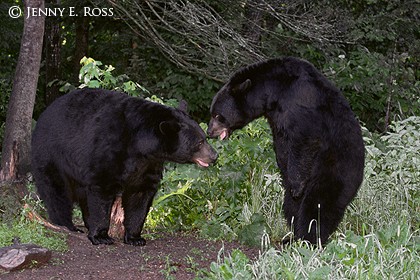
{"type": "Point", "coordinates": [213, 155]}
{"type": "Point", "coordinates": [205, 156]}
{"type": "Point", "coordinates": [217, 129]}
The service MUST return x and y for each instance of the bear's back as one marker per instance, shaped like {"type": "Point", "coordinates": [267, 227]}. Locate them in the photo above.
{"type": "Point", "coordinates": [81, 106]}
{"type": "Point", "coordinates": [91, 133]}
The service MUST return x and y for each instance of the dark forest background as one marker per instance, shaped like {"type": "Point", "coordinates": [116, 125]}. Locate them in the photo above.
{"type": "Point", "coordinates": [186, 49]}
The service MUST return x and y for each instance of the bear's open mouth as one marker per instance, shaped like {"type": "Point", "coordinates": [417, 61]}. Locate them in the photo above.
{"type": "Point", "coordinates": [224, 134]}
{"type": "Point", "coordinates": [201, 163]}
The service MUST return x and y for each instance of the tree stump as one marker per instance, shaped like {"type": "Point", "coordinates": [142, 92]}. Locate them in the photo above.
{"type": "Point", "coordinates": [16, 257]}
{"type": "Point", "coordinates": [116, 228]}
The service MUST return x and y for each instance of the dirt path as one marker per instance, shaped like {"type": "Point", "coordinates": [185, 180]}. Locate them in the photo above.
{"type": "Point", "coordinates": [165, 256]}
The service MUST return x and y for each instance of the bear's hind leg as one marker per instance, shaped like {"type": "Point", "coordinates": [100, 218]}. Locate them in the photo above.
{"type": "Point", "coordinates": [290, 209]}
{"type": "Point", "coordinates": [318, 218]}
{"type": "Point", "coordinates": [56, 197]}
{"type": "Point", "coordinates": [83, 204]}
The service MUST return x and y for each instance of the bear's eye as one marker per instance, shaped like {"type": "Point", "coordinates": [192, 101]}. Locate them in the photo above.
{"type": "Point", "coordinates": [219, 118]}
{"type": "Point", "coordinates": [198, 145]}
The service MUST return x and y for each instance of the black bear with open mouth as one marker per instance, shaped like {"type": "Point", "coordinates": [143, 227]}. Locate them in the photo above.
{"type": "Point", "coordinates": [317, 139]}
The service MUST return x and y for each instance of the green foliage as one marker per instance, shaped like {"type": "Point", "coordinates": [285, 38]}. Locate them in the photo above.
{"type": "Point", "coordinates": [252, 233]}
{"type": "Point", "coordinates": [374, 62]}
{"type": "Point", "coordinates": [163, 79]}
{"type": "Point", "coordinates": [9, 52]}
{"type": "Point", "coordinates": [93, 76]}
{"type": "Point", "coordinates": [32, 232]}
{"type": "Point", "coordinates": [24, 226]}
{"type": "Point", "coordinates": [9, 39]}
{"type": "Point", "coordinates": [380, 229]}
{"type": "Point", "coordinates": [351, 256]}
{"type": "Point", "coordinates": [240, 195]}
{"type": "Point", "coordinates": [198, 91]}
{"type": "Point", "coordinates": [390, 193]}
{"type": "Point", "coordinates": [10, 206]}
{"type": "Point", "coordinates": [376, 85]}
{"type": "Point", "coordinates": [225, 269]}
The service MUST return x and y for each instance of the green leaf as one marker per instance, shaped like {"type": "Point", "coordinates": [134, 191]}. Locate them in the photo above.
{"type": "Point", "coordinates": [320, 273]}
{"type": "Point", "coordinates": [94, 84]}
{"type": "Point", "coordinates": [251, 234]}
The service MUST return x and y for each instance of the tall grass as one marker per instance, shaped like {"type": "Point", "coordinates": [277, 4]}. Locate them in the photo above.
{"type": "Point", "coordinates": [379, 237]}
{"type": "Point", "coordinates": [392, 254]}
{"type": "Point", "coordinates": [391, 190]}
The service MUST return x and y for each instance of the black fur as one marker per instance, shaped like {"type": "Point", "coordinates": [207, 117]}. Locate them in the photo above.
{"type": "Point", "coordinates": [92, 144]}
{"type": "Point", "coordinates": [317, 139]}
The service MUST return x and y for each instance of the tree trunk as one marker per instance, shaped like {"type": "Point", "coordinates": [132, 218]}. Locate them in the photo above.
{"type": "Point", "coordinates": [16, 144]}
{"type": "Point", "coordinates": [52, 43]}
{"type": "Point", "coordinates": [82, 42]}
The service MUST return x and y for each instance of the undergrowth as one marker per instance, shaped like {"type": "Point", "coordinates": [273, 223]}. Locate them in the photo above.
{"type": "Point", "coordinates": [26, 231]}
{"type": "Point", "coordinates": [391, 253]}
{"type": "Point", "coordinates": [379, 237]}
{"type": "Point", "coordinates": [240, 198]}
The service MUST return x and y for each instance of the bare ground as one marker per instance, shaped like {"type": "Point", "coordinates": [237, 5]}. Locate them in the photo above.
{"type": "Point", "coordinates": [165, 256]}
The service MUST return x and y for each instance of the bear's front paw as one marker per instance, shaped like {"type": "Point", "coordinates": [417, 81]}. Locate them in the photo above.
{"type": "Point", "coordinates": [96, 240]}
{"type": "Point", "coordinates": [139, 241]}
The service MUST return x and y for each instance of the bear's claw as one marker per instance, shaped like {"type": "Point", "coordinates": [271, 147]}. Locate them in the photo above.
{"type": "Point", "coordinates": [135, 241]}
{"type": "Point", "coordinates": [101, 240]}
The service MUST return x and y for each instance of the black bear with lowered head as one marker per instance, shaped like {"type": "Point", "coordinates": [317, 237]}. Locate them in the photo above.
{"type": "Point", "coordinates": [317, 139]}
{"type": "Point", "coordinates": [92, 144]}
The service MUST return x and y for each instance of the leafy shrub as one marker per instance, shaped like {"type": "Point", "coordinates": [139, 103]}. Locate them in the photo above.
{"type": "Point", "coordinates": [240, 196]}
{"type": "Point", "coordinates": [198, 91]}
{"type": "Point", "coordinates": [380, 229]}
{"type": "Point", "coordinates": [93, 76]}
{"type": "Point", "coordinates": [351, 256]}
{"type": "Point", "coordinates": [390, 193]}
{"type": "Point", "coordinates": [380, 89]}
{"type": "Point", "coordinates": [160, 76]}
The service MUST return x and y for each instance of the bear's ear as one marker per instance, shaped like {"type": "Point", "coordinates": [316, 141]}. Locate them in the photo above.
{"type": "Point", "coordinates": [169, 127]}
{"type": "Point", "coordinates": [242, 87]}
{"type": "Point", "coordinates": [183, 106]}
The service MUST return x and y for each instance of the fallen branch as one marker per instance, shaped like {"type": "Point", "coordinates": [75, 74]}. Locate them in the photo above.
{"type": "Point", "coordinates": [34, 216]}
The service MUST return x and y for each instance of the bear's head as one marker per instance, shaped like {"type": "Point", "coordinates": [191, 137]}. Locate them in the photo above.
{"type": "Point", "coordinates": [185, 141]}
{"type": "Point", "coordinates": [229, 109]}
